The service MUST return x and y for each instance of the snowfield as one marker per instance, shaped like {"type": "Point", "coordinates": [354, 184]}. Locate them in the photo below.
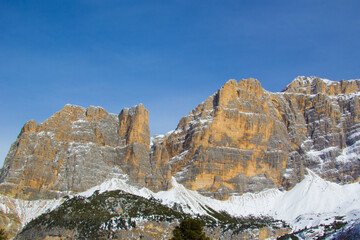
{"type": "Point", "coordinates": [311, 202]}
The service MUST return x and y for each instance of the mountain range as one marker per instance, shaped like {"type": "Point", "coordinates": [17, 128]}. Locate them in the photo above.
{"type": "Point", "coordinates": [291, 156]}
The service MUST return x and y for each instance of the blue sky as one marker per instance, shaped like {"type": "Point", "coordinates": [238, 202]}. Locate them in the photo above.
{"type": "Point", "coordinates": [168, 55]}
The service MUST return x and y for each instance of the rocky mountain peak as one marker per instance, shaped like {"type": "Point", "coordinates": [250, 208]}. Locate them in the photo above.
{"type": "Point", "coordinates": [243, 133]}
{"type": "Point", "coordinates": [29, 126]}
{"type": "Point", "coordinates": [251, 86]}
{"type": "Point", "coordinates": [95, 114]}
{"type": "Point", "coordinates": [134, 125]}
{"type": "Point", "coordinates": [70, 112]}
{"type": "Point", "coordinates": [233, 90]}
{"type": "Point", "coordinates": [75, 149]}
{"type": "Point", "coordinates": [73, 123]}
{"type": "Point", "coordinates": [315, 85]}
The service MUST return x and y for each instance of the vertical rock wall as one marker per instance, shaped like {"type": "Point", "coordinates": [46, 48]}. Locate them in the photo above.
{"type": "Point", "coordinates": [77, 149]}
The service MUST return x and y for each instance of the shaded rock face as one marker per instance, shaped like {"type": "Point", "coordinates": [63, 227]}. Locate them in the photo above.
{"type": "Point", "coordinates": [77, 149]}
{"type": "Point", "coordinates": [241, 139]}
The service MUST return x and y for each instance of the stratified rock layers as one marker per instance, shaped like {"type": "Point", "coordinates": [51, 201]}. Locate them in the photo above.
{"type": "Point", "coordinates": [241, 139]}
{"type": "Point", "coordinates": [77, 149]}
{"type": "Point", "coordinates": [245, 139]}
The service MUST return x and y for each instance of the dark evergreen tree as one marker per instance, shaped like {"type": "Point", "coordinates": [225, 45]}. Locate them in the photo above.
{"type": "Point", "coordinates": [2, 234]}
{"type": "Point", "coordinates": [189, 229]}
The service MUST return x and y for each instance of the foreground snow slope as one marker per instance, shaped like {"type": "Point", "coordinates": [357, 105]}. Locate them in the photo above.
{"type": "Point", "coordinates": [26, 210]}
{"type": "Point", "coordinates": [315, 196]}
{"type": "Point", "coordinates": [311, 202]}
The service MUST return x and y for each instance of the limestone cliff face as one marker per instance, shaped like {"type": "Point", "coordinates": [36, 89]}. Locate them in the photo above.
{"type": "Point", "coordinates": [245, 139]}
{"type": "Point", "coordinates": [236, 141]}
{"type": "Point", "coordinates": [77, 149]}
{"type": "Point", "coordinates": [241, 139]}
{"type": "Point", "coordinates": [331, 112]}
{"type": "Point", "coordinates": [134, 125]}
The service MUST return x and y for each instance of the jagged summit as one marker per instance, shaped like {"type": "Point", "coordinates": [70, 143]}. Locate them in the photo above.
{"type": "Point", "coordinates": [133, 109]}
{"type": "Point", "coordinates": [134, 125]}
{"type": "Point", "coordinates": [263, 138]}
{"type": "Point", "coordinates": [314, 85]}
{"type": "Point", "coordinates": [78, 148]}
{"type": "Point", "coordinates": [310, 80]}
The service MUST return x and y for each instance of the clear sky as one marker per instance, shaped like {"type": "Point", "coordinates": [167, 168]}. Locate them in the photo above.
{"type": "Point", "coordinates": [168, 55]}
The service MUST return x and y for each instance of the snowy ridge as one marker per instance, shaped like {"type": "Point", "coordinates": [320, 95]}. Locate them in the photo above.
{"type": "Point", "coordinates": [303, 83]}
{"type": "Point", "coordinates": [117, 184]}
{"type": "Point", "coordinates": [311, 202]}
{"type": "Point", "coordinates": [309, 80]}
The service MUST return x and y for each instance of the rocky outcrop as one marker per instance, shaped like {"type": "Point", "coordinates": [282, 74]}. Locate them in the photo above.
{"type": "Point", "coordinates": [77, 149]}
{"type": "Point", "coordinates": [331, 112]}
{"type": "Point", "coordinates": [241, 139]}
{"type": "Point", "coordinates": [245, 139]}
{"type": "Point", "coordinates": [315, 85]}
{"type": "Point", "coordinates": [234, 142]}
{"type": "Point", "coordinates": [134, 125]}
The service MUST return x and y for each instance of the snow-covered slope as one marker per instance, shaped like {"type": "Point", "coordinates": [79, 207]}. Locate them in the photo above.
{"type": "Point", "coordinates": [26, 210]}
{"type": "Point", "coordinates": [313, 198]}
{"type": "Point", "coordinates": [310, 203]}
{"type": "Point", "coordinates": [317, 198]}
